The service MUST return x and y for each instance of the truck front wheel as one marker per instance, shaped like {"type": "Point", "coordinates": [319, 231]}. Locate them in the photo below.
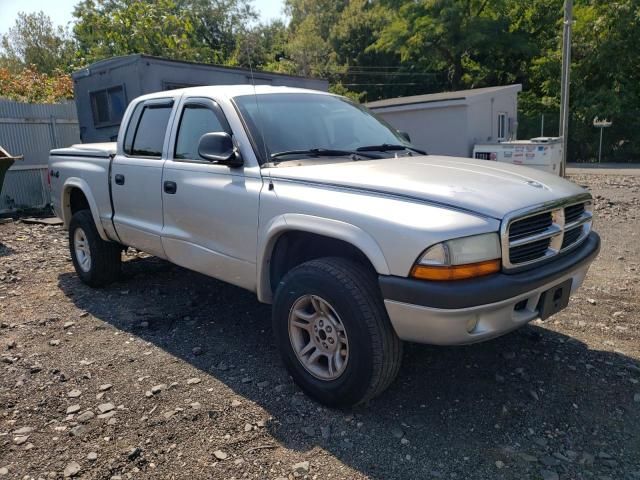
{"type": "Point", "coordinates": [333, 332]}
{"type": "Point", "coordinates": [97, 262]}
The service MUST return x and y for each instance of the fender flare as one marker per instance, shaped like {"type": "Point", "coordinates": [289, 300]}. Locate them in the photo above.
{"type": "Point", "coordinates": [321, 226]}
{"type": "Point", "coordinates": [83, 186]}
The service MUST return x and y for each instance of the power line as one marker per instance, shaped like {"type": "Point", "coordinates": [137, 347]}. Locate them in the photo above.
{"type": "Point", "coordinates": [388, 74]}
{"type": "Point", "coordinates": [379, 84]}
{"type": "Point", "coordinates": [373, 66]}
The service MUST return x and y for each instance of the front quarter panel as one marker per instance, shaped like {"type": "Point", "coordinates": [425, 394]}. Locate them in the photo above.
{"type": "Point", "coordinates": [391, 231]}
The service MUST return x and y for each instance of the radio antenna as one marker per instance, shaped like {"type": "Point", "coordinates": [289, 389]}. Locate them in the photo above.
{"type": "Point", "coordinates": [255, 96]}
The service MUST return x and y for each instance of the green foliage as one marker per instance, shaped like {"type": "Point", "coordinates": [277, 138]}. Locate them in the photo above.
{"type": "Point", "coordinates": [29, 85]}
{"type": "Point", "coordinates": [605, 81]}
{"type": "Point", "coordinates": [471, 40]}
{"type": "Point", "coordinates": [340, 89]}
{"type": "Point", "coordinates": [308, 50]}
{"type": "Point", "coordinates": [262, 47]}
{"type": "Point", "coordinates": [35, 41]}
{"type": "Point", "coordinates": [195, 30]}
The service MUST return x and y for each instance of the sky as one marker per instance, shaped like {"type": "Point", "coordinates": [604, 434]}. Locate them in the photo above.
{"type": "Point", "coordinates": [60, 11]}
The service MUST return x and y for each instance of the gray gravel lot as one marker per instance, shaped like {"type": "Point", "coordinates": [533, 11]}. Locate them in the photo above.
{"type": "Point", "coordinates": [170, 374]}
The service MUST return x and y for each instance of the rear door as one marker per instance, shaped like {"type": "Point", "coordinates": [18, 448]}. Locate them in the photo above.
{"type": "Point", "coordinates": [210, 210]}
{"type": "Point", "coordinates": [136, 177]}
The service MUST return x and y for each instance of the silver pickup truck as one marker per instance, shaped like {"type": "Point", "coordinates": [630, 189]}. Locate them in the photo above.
{"type": "Point", "coordinates": [359, 240]}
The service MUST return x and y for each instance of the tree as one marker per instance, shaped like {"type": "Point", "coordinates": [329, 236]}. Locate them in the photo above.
{"type": "Point", "coordinates": [332, 39]}
{"type": "Point", "coordinates": [263, 47]}
{"type": "Point", "coordinates": [195, 30]}
{"type": "Point", "coordinates": [29, 85]}
{"type": "Point", "coordinates": [605, 80]}
{"type": "Point", "coordinates": [308, 50]}
{"type": "Point", "coordinates": [369, 73]}
{"type": "Point", "coordinates": [471, 40]}
{"type": "Point", "coordinates": [35, 41]}
{"type": "Point", "coordinates": [308, 46]}
{"type": "Point", "coordinates": [325, 14]}
{"type": "Point", "coordinates": [217, 24]}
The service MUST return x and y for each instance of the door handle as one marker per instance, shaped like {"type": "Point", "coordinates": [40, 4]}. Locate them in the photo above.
{"type": "Point", "coordinates": [119, 179]}
{"type": "Point", "coordinates": [170, 187]}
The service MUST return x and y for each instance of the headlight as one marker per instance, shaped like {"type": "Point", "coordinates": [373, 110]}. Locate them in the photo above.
{"type": "Point", "coordinates": [460, 258]}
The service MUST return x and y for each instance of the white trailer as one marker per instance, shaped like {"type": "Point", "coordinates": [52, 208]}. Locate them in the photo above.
{"type": "Point", "coordinates": [543, 153]}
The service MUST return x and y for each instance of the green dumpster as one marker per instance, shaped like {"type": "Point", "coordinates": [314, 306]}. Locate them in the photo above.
{"type": "Point", "coordinates": [6, 161]}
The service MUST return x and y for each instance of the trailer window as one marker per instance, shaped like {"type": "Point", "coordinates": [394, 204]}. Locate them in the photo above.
{"type": "Point", "coordinates": [177, 85]}
{"type": "Point", "coordinates": [108, 106]}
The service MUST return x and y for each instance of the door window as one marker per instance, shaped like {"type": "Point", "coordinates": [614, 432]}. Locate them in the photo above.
{"type": "Point", "coordinates": [195, 122]}
{"type": "Point", "coordinates": [151, 130]}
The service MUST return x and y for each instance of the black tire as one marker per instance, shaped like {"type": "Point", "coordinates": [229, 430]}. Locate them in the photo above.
{"type": "Point", "coordinates": [106, 257]}
{"type": "Point", "coordinates": [374, 350]}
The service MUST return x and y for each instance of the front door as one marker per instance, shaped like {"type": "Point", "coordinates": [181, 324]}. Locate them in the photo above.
{"type": "Point", "coordinates": [210, 210]}
{"type": "Point", "coordinates": [136, 178]}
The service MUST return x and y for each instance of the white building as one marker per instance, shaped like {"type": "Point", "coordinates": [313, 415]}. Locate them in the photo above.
{"type": "Point", "coordinates": [451, 123]}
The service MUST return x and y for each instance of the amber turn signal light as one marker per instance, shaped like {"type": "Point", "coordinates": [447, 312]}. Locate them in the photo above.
{"type": "Point", "coordinates": [455, 272]}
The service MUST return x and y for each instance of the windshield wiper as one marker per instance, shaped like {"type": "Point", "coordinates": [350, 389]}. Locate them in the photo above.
{"type": "Point", "coordinates": [321, 152]}
{"type": "Point", "coordinates": [387, 147]}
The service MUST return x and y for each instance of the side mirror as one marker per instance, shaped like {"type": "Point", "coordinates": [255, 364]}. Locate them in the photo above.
{"type": "Point", "coordinates": [218, 147]}
{"type": "Point", "coordinates": [405, 135]}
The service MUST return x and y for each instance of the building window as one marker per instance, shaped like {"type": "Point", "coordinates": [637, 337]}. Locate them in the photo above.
{"type": "Point", "coordinates": [108, 106]}
{"type": "Point", "coordinates": [502, 126]}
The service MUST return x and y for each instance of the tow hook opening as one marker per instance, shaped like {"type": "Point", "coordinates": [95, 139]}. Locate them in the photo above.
{"type": "Point", "coordinates": [520, 306]}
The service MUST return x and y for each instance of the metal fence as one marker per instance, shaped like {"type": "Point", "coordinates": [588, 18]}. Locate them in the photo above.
{"type": "Point", "coordinates": [32, 130]}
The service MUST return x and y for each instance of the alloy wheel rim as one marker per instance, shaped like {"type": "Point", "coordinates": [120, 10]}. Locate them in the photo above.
{"type": "Point", "coordinates": [318, 337]}
{"type": "Point", "coordinates": [81, 249]}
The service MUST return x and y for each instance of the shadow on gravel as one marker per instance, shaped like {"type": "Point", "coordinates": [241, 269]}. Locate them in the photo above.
{"type": "Point", "coordinates": [5, 251]}
{"type": "Point", "coordinates": [535, 398]}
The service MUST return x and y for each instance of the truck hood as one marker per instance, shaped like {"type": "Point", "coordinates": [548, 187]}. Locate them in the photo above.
{"type": "Point", "coordinates": [480, 186]}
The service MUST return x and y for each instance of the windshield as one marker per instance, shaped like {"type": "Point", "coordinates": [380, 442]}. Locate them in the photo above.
{"type": "Point", "coordinates": [298, 122]}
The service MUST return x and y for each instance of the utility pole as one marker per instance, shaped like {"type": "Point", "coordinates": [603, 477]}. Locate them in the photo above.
{"type": "Point", "coordinates": [564, 86]}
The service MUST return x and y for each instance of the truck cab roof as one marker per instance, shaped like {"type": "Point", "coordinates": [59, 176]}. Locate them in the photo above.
{"type": "Point", "coordinates": [229, 91]}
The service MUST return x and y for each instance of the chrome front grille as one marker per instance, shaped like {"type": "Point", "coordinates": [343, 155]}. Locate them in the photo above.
{"type": "Point", "coordinates": [530, 225]}
{"type": "Point", "coordinates": [573, 212]}
{"type": "Point", "coordinates": [529, 251]}
{"type": "Point", "coordinates": [537, 234]}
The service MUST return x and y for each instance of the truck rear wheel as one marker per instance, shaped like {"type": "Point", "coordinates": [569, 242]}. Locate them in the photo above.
{"type": "Point", "coordinates": [97, 262]}
{"type": "Point", "coordinates": [333, 332]}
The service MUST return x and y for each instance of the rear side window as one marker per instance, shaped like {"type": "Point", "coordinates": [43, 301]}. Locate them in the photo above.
{"type": "Point", "coordinates": [131, 128]}
{"type": "Point", "coordinates": [196, 121]}
{"type": "Point", "coordinates": [150, 131]}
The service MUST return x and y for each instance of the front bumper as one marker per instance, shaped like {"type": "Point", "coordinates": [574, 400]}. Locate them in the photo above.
{"type": "Point", "coordinates": [470, 311]}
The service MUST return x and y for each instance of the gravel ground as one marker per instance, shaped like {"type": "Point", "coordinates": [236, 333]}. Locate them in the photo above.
{"type": "Point", "coordinates": [169, 374]}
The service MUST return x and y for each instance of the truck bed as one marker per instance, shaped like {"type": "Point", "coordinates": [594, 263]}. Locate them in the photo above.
{"type": "Point", "coordinates": [86, 168]}
{"type": "Point", "coordinates": [87, 150]}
